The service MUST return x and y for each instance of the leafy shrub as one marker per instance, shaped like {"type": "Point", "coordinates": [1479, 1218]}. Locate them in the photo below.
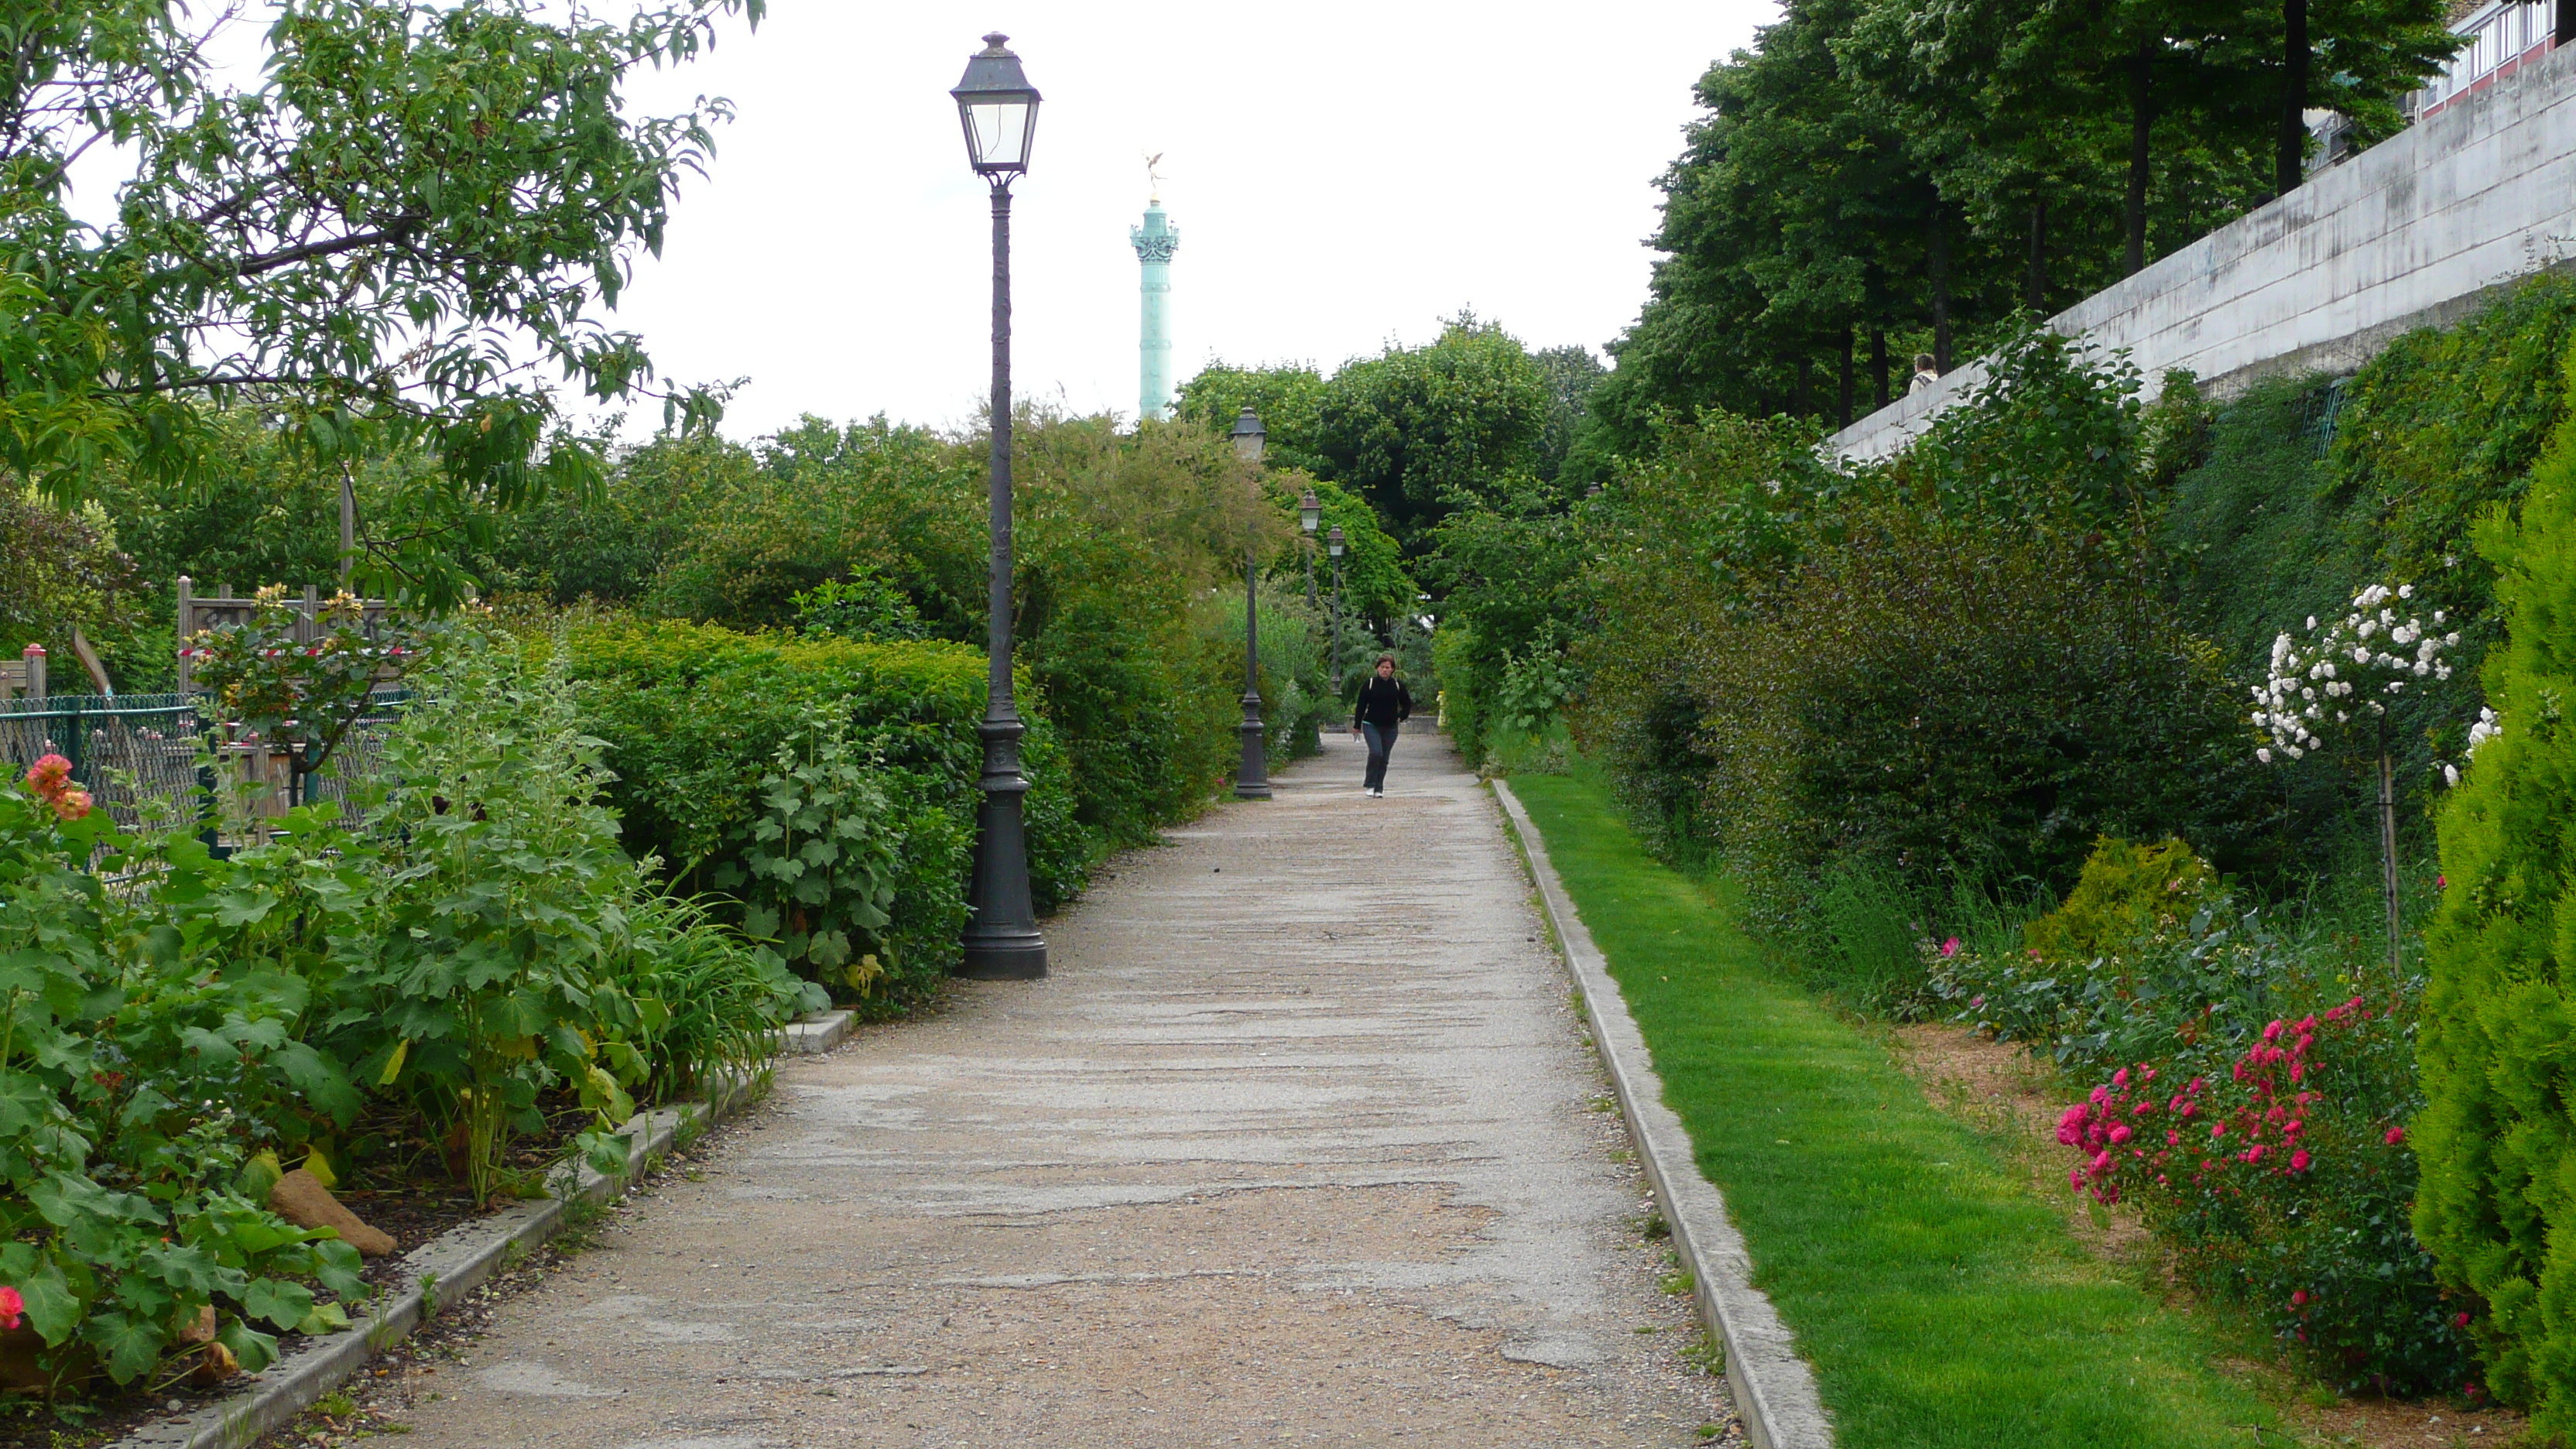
{"type": "Point", "coordinates": [472, 969]}
{"type": "Point", "coordinates": [1952, 706]}
{"type": "Point", "coordinates": [864, 607]}
{"type": "Point", "coordinates": [2127, 891]}
{"type": "Point", "coordinates": [707, 1001]}
{"type": "Point", "coordinates": [816, 871]}
{"type": "Point", "coordinates": [2497, 1137]}
{"type": "Point", "coordinates": [117, 1166]}
{"type": "Point", "coordinates": [477, 951]}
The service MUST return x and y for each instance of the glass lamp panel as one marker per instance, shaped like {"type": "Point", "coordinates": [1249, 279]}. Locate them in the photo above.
{"type": "Point", "coordinates": [1000, 131]}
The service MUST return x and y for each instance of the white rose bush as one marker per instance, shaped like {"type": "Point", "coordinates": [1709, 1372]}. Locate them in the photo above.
{"type": "Point", "coordinates": [2351, 669]}
{"type": "Point", "coordinates": [2349, 672]}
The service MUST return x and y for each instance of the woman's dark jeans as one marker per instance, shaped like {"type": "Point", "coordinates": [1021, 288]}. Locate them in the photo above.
{"type": "Point", "coordinates": [1381, 740]}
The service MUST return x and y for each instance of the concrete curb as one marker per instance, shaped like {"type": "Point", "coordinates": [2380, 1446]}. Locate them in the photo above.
{"type": "Point", "coordinates": [818, 1031]}
{"type": "Point", "coordinates": [452, 1265]}
{"type": "Point", "coordinates": [1774, 1390]}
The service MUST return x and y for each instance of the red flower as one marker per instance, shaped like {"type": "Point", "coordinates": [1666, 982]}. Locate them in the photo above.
{"type": "Point", "coordinates": [2299, 1160]}
{"type": "Point", "coordinates": [2396, 1135]}
{"type": "Point", "coordinates": [12, 1307]}
{"type": "Point", "coordinates": [49, 775]}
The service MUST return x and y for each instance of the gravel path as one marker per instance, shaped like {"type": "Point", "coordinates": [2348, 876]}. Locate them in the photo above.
{"type": "Point", "coordinates": [1301, 1142]}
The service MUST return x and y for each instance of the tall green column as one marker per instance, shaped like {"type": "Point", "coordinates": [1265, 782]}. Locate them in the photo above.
{"type": "Point", "coordinates": [1155, 242]}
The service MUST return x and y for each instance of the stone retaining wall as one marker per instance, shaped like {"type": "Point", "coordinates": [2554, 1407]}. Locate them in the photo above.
{"type": "Point", "coordinates": [2411, 233]}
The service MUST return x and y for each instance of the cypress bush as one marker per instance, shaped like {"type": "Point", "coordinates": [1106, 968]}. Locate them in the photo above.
{"type": "Point", "coordinates": [2497, 1137]}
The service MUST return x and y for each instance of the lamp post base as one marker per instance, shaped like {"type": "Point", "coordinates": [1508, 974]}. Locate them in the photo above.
{"type": "Point", "coordinates": [1252, 781]}
{"type": "Point", "coordinates": [1004, 958]}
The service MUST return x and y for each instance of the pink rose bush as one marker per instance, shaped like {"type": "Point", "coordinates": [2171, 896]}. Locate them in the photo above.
{"type": "Point", "coordinates": [2272, 1185]}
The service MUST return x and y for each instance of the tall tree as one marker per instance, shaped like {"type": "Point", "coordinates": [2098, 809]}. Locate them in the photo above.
{"type": "Point", "coordinates": [1415, 430]}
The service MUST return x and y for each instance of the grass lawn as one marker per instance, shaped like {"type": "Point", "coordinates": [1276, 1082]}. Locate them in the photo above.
{"type": "Point", "coordinates": [1941, 1302]}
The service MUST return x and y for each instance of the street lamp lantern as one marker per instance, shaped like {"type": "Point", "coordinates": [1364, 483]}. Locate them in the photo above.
{"type": "Point", "coordinates": [1000, 112]}
{"type": "Point", "coordinates": [999, 109]}
{"type": "Point", "coordinates": [1334, 540]}
{"type": "Point", "coordinates": [1248, 436]}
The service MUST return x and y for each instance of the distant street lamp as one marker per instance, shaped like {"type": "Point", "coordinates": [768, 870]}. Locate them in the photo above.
{"type": "Point", "coordinates": [999, 109]}
{"type": "Point", "coordinates": [1333, 541]}
{"type": "Point", "coordinates": [1310, 511]}
{"type": "Point", "coordinates": [1252, 779]}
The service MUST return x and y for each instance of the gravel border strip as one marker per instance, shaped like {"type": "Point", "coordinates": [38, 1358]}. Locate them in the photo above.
{"type": "Point", "coordinates": [447, 1268]}
{"type": "Point", "coordinates": [1774, 1390]}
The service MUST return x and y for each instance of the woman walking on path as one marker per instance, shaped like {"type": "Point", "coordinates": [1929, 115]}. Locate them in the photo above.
{"type": "Point", "coordinates": [1384, 704]}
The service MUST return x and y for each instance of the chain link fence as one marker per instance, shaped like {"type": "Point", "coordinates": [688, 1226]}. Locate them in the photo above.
{"type": "Point", "coordinates": [154, 761]}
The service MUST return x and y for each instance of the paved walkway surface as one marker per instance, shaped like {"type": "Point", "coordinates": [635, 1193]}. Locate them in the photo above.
{"type": "Point", "coordinates": [1301, 1141]}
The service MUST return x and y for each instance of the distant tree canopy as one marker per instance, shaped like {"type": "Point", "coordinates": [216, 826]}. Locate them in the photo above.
{"type": "Point", "coordinates": [1418, 431]}
{"type": "Point", "coordinates": [1880, 177]}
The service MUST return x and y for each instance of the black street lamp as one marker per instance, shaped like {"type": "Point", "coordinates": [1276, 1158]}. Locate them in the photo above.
{"type": "Point", "coordinates": [999, 109]}
{"type": "Point", "coordinates": [1252, 779]}
{"type": "Point", "coordinates": [1310, 511]}
{"type": "Point", "coordinates": [1333, 541]}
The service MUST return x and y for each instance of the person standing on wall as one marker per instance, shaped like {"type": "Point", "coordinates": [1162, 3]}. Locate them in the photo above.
{"type": "Point", "coordinates": [1384, 704]}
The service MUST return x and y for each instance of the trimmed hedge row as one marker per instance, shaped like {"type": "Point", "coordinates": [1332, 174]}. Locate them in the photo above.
{"type": "Point", "coordinates": [695, 719]}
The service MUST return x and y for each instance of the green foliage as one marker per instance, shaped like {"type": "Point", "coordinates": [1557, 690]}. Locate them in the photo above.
{"type": "Point", "coordinates": [2446, 423]}
{"type": "Point", "coordinates": [116, 1164]}
{"type": "Point", "coordinates": [471, 170]}
{"type": "Point", "coordinates": [1510, 570]}
{"type": "Point", "coordinates": [864, 607]}
{"type": "Point", "coordinates": [2496, 1131]}
{"type": "Point", "coordinates": [59, 572]}
{"type": "Point", "coordinates": [1286, 398]}
{"type": "Point", "coordinates": [817, 870]}
{"type": "Point", "coordinates": [473, 970]}
{"type": "Point", "coordinates": [1945, 703]}
{"type": "Point", "coordinates": [707, 1001]}
{"type": "Point", "coordinates": [694, 719]}
{"type": "Point", "coordinates": [1417, 430]}
{"type": "Point", "coordinates": [2127, 891]}
{"type": "Point", "coordinates": [1867, 942]}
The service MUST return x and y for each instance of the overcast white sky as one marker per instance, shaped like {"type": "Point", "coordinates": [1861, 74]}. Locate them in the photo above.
{"type": "Point", "coordinates": [1343, 174]}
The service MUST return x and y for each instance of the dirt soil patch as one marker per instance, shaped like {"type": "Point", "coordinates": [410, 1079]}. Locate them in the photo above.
{"type": "Point", "coordinates": [2016, 1100]}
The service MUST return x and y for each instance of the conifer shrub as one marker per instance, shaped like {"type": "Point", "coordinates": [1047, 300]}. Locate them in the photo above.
{"type": "Point", "coordinates": [2127, 891]}
{"type": "Point", "coordinates": [2498, 1137]}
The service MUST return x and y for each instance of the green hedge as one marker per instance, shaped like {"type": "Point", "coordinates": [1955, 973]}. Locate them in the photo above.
{"type": "Point", "coordinates": [695, 717]}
